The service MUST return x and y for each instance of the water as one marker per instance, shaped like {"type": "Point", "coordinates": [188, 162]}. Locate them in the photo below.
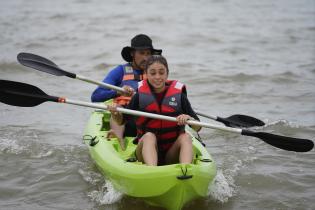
{"type": "Point", "coordinates": [236, 57]}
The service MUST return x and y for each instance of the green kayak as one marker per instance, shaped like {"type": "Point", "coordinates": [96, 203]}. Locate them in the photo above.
{"type": "Point", "coordinates": [169, 186]}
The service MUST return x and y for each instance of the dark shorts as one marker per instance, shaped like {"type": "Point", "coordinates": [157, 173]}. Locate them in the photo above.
{"type": "Point", "coordinates": [161, 157]}
{"type": "Point", "coordinates": [130, 129]}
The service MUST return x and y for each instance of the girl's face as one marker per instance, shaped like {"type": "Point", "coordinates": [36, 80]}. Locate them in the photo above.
{"type": "Point", "coordinates": [157, 76]}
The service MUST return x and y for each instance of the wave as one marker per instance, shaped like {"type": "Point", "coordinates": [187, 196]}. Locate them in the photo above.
{"type": "Point", "coordinates": [240, 77]}
{"type": "Point", "coordinates": [103, 68]}
{"type": "Point", "coordinates": [222, 188]}
{"type": "Point", "coordinates": [36, 45]}
{"type": "Point", "coordinates": [285, 77]}
{"type": "Point", "coordinates": [25, 143]}
{"type": "Point", "coordinates": [59, 16]}
{"type": "Point", "coordinates": [285, 124]}
{"type": "Point", "coordinates": [106, 194]}
{"type": "Point", "coordinates": [101, 55]}
{"type": "Point", "coordinates": [7, 66]}
{"type": "Point", "coordinates": [21, 140]}
{"type": "Point", "coordinates": [103, 192]}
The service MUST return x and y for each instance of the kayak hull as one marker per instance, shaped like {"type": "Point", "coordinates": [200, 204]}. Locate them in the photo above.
{"type": "Point", "coordinates": [169, 186]}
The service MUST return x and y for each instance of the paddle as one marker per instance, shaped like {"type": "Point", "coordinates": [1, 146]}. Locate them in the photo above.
{"type": "Point", "coordinates": [42, 64]}
{"type": "Point", "coordinates": [45, 65]}
{"type": "Point", "coordinates": [25, 95]}
{"type": "Point", "coordinates": [237, 120]}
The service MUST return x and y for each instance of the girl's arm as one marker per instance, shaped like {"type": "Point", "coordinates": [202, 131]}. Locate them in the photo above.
{"type": "Point", "coordinates": [187, 110]}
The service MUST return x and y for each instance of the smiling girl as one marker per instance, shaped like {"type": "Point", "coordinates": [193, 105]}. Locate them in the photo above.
{"type": "Point", "coordinates": [161, 142]}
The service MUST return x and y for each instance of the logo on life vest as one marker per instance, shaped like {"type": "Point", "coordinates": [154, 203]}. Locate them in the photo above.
{"type": "Point", "coordinates": [128, 69]}
{"type": "Point", "coordinates": [173, 102]}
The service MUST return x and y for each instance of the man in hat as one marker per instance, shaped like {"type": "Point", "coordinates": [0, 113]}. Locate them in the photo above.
{"type": "Point", "coordinates": [126, 76]}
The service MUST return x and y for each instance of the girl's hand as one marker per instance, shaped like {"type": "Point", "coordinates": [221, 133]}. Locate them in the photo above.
{"type": "Point", "coordinates": [113, 109]}
{"type": "Point", "coordinates": [183, 118]}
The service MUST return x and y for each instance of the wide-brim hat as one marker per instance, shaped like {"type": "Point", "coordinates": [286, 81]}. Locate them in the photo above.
{"type": "Point", "coordinates": [139, 42]}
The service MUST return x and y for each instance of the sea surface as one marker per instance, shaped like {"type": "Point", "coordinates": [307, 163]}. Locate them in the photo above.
{"type": "Point", "coordinates": [235, 57]}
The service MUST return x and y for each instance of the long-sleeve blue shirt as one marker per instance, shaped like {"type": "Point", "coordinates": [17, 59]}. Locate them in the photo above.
{"type": "Point", "coordinates": [114, 77]}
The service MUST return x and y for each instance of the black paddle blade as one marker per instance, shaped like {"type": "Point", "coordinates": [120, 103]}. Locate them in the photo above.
{"type": "Point", "coordinates": [42, 64]}
{"type": "Point", "coordinates": [239, 120]}
{"type": "Point", "coordinates": [282, 142]}
{"type": "Point", "coordinates": [21, 94]}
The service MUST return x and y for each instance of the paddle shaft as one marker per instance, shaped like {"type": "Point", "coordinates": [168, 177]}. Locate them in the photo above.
{"type": "Point", "coordinates": [206, 115]}
{"type": "Point", "coordinates": [282, 142]}
{"type": "Point", "coordinates": [232, 121]}
{"type": "Point", "coordinates": [113, 87]}
{"type": "Point", "coordinates": [150, 115]}
{"type": "Point", "coordinates": [102, 84]}
{"type": "Point", "coordinates": [245, 121]}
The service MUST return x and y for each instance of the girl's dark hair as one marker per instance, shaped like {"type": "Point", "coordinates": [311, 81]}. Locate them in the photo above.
{"type": "Point", "coordinates": [156, 59]}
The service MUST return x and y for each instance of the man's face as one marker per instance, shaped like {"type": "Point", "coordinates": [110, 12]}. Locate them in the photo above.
{"type": "Point", "coordinates": [140, 57]}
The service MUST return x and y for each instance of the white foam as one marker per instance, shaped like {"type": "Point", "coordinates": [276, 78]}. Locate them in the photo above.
{"type": "Point", "coordinates": [90, 176]}
{"type": "Point", "coordinates": [106, 195]}
{"type": "Point", "coordinates": [43, 154]}
{"type": "Point", "coordinates": [11, 146]}
{"type": "Point", "coordinates": [222, 188]}
{"type": "Point", "coordinates": [18, 140]}
{"type": "Point", "coordinates": [282, 123]}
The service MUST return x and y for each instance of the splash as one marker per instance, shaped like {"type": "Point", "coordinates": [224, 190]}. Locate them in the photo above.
{"type": "Point", "coordinates": [222, 188]}
{"type": "Point", "coordinates": [90, 176]}
{"type": "Point", "coordinates": [16, 145]}
{"type": "Point", "coordinates": [42, 154]}
{"type": "Point", "coordinates": [106, 194]}
{"type": "Point", "coordinates": [283, 123]}
{"type": "Point", "coordinates": [22, 141]}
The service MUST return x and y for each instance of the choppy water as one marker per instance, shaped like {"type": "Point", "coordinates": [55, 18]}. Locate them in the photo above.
{"type": "Point", "coordinates": [235, 56]}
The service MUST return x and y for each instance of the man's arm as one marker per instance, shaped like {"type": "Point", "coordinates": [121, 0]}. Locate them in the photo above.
{"type": "Point", "coordinates": [114, 77]}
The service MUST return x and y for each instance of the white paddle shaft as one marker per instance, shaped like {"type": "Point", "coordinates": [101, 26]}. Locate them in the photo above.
{"type": "Point", "coordinates": [102, 84]}
{"type": "Point", "coordinates": [151, 115]}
